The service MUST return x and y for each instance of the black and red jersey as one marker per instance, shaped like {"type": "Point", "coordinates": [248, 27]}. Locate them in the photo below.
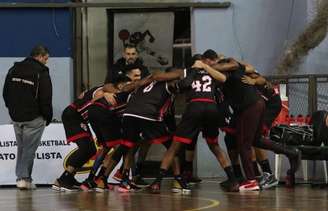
{"type": "Point", "coordinates": [121, 100]}
{"type": "Point", "coordinates": [239, 94]}
{"type": "Point", "coordinates": [201, 86]}
{"type": "Point", "coordinates": [82, 104]}
{"type": "Point", "coordinates": [150, 102]}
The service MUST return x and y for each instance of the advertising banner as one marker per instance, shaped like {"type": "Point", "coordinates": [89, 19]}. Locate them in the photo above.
{"type": "Point", "coordinates": [49, 158]}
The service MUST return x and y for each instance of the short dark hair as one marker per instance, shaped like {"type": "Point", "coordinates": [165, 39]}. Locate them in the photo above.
{"type": "Point", "coordinates": [129, 45]}
{"type": "Point", "coordinates": [39, 50]}
{"type": "Point", "coordinates": [129, 67]}
{"type": "Point", "coordinates": [195, 57]}
{"type": "Point", "coordinates": [121, 79]}
{"type": "Point", "coordinates": [210, 54]}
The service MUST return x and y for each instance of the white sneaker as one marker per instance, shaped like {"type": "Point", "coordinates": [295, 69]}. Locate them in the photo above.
{"type": "Point", "coordinates": [30, 186]}
{"type": "Point", "coordinates": [21, 184]}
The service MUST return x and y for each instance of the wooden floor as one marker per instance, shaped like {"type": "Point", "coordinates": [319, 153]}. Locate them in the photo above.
{"type": "Point", "coordinates": [205, 196]}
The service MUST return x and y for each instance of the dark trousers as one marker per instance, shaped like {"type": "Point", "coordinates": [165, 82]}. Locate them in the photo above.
{"type": "Point", "coordinates": [248, 128]}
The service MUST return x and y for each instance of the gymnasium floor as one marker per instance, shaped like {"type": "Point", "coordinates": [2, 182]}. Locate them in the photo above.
{"type": "Point", "coordinates": [205, 196]}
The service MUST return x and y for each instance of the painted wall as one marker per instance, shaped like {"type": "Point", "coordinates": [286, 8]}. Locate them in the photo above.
{"type": "Point", "coordinates": [315, 62]}
{"type": "Point", "coordinates": [256, 31]}
{"type": "Point", "coordinates": [20, 33]}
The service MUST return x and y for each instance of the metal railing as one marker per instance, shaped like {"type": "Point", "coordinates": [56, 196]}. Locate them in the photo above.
{"type": "Point", "coordinates": [306, 93]}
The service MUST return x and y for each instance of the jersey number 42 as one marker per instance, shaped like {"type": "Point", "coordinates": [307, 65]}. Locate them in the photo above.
{"type": "Point", "coordinates": [203, 85]}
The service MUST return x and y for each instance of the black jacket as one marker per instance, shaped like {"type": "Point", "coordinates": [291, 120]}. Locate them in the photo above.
{"type": "Point", "coordinates": [28, 91]}
{"type": "Point", "coordinates": [119, 67]}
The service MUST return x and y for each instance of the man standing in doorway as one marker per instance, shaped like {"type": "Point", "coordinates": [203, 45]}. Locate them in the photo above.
{"type": "Point", "coordinates": [28, 96]}
{"type": "Point", "coordinates": [130, 57]}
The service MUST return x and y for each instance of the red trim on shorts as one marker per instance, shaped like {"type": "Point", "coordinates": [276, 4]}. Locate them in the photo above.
{"type": "Point", "coordinates": [112, 143]}
{"type": "Point", "coordinates": [229, 130]}
{"type": "Point", "coordinates": [78, 136]}
{"type": "Point", "coordinates": [160, 140]}
{"type": "Point", "coordinates": [203, 100]}
{"type": "Point", "coordinates": [127, 143]}
{"type": "Point", "coordinates": [182, 140]}
{"type": "Point", "coordinates": [211, 141]}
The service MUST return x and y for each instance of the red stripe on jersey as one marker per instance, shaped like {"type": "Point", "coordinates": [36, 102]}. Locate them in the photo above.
{"type": "Point", "coordinates": [203, 100]}
{"type": "Point", "coordinates": [182, 140]}
{"type": "Point", "coordinates": [117, 108]}
{"type": "Point", "coordinates": [164, 108]}
{"type": "Point", "coordinates": [78, 136]}
{"type": "Point", "coordinates": [84, 106]}
{"type": "Point", "coordinates": [112, 143]}
{"type": "Point", "coordinates": [229, 130]}
{"type": "Point", "coordinates": [160, 140]}
{"type": "Point", "coordinates": [212, 141]}
{"type": "Point", "coordinates": [127, 143]}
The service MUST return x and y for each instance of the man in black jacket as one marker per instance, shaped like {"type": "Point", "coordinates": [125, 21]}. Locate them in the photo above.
{"type": "Point", "coordinates": [130, 57]}
{"type": "Point", "coordinates": [28, 96]}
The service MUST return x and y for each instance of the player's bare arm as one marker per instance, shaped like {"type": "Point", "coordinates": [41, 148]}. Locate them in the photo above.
{"type": "Point", "coordinates": [213, 72]}
{"type": "Point", "coordinates": [168, 76]}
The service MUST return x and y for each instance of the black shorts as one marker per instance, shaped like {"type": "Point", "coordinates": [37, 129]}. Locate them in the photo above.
{"type": "Point", "coordinates": [198, 116]}
{"type": "Point", "coordinates": [226, 114]}
{"type": "Point", "coordinates": [230, 128]}
{"type": "Point", "coordinates": [106, 125]}
{"type": "Point", "coordinates": [169, 120]}
{"type": "Point", "coordinates": [152, 131]}
{"type": "Point", "coordinates": [230, 141]}
{"type": "Point", "coordinates": [272, 110]}
{"type": "Point", "coordinates": [76, 128]}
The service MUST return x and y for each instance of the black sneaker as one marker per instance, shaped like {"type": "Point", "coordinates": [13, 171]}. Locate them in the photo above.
{"type": "Point", "coordinates": [180, 186]}
{"type": "Point", "coordinates": [229, 186]}
{"type": "Point", "coordinates": [62, 185]}
{"type": "Point", "coordinates": [139, 181]}
{"type": "Point", "coordinates": [76, 183]}
{"type": "Point", "coordinates": [126, 186]}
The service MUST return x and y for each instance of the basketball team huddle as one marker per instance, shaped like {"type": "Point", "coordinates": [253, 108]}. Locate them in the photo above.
{"type": "Point", "coordinates": [135, 109]}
